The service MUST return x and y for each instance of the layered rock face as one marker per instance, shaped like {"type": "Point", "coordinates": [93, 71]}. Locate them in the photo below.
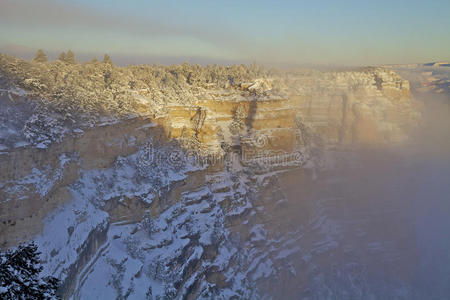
{"type": "Point", "coordinates": [359, 108]}
{"type": "Point", "coordinates": [236, 122]}
{"type": "Point", "coordinates": [128, 204]}
{"type": "Point", "coordinates": [369, 107]}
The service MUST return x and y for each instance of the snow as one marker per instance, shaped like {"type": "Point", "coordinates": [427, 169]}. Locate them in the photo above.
{"type": "Point", "coordinates": [78, 131]}
{"type": "Point", "coordinates": [129, 257]}
{"type": "Point", "coordinates": [263, 270]}
{"type": "Point", "coordinates": [148, 125]}
{"type": "Point", "coordinates": [134, 257]}
{"type": "Point", "coordinates": [119, 256]}
{"type": "Point", "coordinates": [21, 144]}
{"type": "Point", "coordinates": [39, 180]}
{"type": "Point", "coordinates": [287, 252]}
{"type": "Point", "coordinates": [61, 248]}
{"type": "Point", "coordinates": [42, 145]}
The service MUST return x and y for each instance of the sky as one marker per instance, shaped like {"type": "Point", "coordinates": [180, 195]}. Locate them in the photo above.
{"type": "Point", "coordinates": [325, 32]}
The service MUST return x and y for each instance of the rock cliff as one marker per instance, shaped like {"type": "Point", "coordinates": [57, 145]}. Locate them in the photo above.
{"type": "Point", "coordinates": [167, 188]}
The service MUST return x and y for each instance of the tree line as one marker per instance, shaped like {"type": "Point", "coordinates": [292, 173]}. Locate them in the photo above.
{"type": "Point", "coordinates": [67, 57]}
{"type": "Point", "coordinates": [73, 89]}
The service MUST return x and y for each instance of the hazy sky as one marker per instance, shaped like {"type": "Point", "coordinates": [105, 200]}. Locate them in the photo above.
{"type": "Point", "coordinates": [301, 32]}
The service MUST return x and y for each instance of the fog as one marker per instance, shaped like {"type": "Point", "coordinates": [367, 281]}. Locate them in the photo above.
{"type": "Point", "coordinates": [377, 226]}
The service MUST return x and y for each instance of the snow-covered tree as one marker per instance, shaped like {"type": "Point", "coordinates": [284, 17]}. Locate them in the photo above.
{"type": "Point", "coordinates": [73, 89]}
{"type": "Point", "coordinates": [70, 58]}
{"type": "Point", "coordinates": [40, 56]}
{"type": "Point", "coordinates": [62, 56]}
{"type": "Point", "coordinates": [107, 60]}
{"type": "Point", "coordinates": [19, 275]}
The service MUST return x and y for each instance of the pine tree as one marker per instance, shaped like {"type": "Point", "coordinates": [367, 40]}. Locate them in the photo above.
{"type": "Point", "coordinates": [62, 56]}
{"type": "Point", "coordinates": [19, 275]}
{"type": "Point", "coordinates": [40, 56]}
{"type": "Point", "coordinates": [107, 60]}
{"type": "Point", "coordinates": [70, 58]}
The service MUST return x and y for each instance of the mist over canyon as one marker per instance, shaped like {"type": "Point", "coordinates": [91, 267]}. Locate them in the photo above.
{"type": "Point", "coordinates": [228, 182]}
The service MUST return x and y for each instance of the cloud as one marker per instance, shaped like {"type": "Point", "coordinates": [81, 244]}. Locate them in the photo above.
{"type": "Point", "coordinates": [52, 13]}
{"type": "Point", "coordinates": [45, 14]}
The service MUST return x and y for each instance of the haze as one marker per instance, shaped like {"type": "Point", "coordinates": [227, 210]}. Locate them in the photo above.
{"type": "Point", "coordinates": [291, 32]}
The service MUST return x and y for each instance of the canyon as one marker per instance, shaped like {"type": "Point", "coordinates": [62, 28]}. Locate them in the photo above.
{"type": "Point", "coordinates": [208, 192]}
